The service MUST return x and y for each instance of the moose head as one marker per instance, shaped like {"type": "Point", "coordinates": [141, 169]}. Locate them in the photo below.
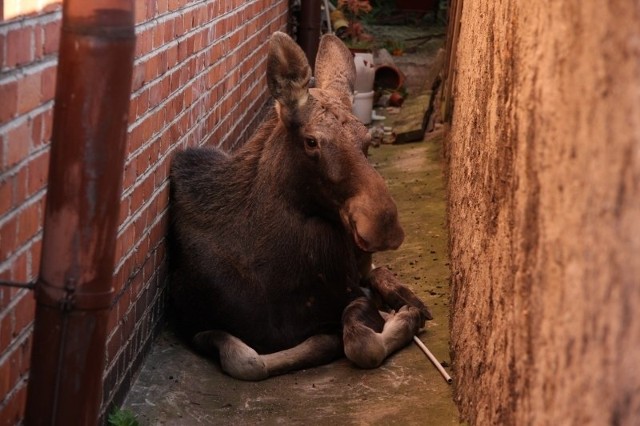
{"type": "Point", "coordinates": [330, 142]}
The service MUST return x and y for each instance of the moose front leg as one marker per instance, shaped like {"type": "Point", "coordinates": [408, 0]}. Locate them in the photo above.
{"type": "Point", "coordinates": [393, 293]}
{"type": "Point", "coordinates": [369, 338]}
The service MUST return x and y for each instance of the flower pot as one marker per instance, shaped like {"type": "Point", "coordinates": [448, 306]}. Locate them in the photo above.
{"type": "Point", "coordinates": [362, 106]}
{"type": "Point", "coordinates": [365, 72]}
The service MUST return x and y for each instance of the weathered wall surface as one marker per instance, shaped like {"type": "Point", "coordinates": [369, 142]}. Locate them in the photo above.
{"type": "Point", "coordinates": [199, 77]}
{"type": "Point", "coordinates": [544, 183]}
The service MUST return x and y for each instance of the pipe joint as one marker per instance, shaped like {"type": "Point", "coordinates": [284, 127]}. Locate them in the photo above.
{"type": "Point", "coordinates": [67, 298]}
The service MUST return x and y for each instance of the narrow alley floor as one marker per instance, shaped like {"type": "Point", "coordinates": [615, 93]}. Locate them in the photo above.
{"type": "Point", "coordinates": [178, 387]}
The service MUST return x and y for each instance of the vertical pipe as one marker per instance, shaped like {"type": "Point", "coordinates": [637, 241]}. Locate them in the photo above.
{"type": "Point", "coordinates": [309, 31]}
{"type": "Point", "coordinates": [74, 290]}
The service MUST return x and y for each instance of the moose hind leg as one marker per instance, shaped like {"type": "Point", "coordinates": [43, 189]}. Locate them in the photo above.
{"type": "Point", "coordinates": [240, 361]}
{"type": "Point", "coordinates": [369, 339]}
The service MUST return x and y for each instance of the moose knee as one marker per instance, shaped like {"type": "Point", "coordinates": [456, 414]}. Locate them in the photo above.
{"type": "Point", "coordinates": [364, 347]}
{"type": "Point", "coordinates": [237, 359]}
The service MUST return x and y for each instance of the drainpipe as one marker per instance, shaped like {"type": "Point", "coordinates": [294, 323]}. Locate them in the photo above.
{"type": "Point", "coordinates": [309, 30]}
{"type": "Point", "coordinates": [74, 290]}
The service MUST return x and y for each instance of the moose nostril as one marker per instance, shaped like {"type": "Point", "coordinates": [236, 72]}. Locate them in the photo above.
{"type": "Point", "coordinates": [389, 217]}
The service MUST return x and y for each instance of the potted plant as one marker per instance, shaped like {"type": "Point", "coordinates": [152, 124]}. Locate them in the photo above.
{"type": "Point", "coordinates": [350, 28]}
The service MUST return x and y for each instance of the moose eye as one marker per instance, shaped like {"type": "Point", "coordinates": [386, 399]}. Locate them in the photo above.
{"type": "Point", "coordinates": [311, 142]}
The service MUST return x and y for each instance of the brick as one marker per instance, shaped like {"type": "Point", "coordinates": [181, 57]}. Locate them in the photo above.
{"type": "Point", "coordinates": [48, 84]}
{"type": "Point", "coordinates": [6, 194]}
{"type": "Point", "coordinates": [151, 68]}
{"type": "Point", "coordinates": [19, 50]}
{"type": "Point", "coordinates": [8, 233]}
{"type": "Point", "coordinates": [28, 223]}
{"type": "Point", "coordinates": [174, 4]}
{"type": "Point", "coordinates": [18, 142]}
{"type": "Point", "coordinates": [29, 92]}
{"type": "Point", "coordinates": [163, 6]}
{"type": "Point", "coordinates": [143, 103]}
{"type": "Point", "coordinates": [138, 77]}
{"type": "Point", "coordinates": [169, 31]}
{"type": "Point", "coordinates": [51, 43]}
{"type": "Point", "coordinates": [9, 96]}
{"type": "Point", "coordinates": [47, 128]}
{"type": "Point", "coordinates": [178, 25]}
{"type": "Point", "coordinates": [37, 170]}
{"type": "Point", "coordinates": [143, 42]}
{"type": "Point", "coordinates": [141, 11]}
{"type": "Point", "coordinates": [19, 270]}
{"type": "Point", "coordinates": [155, 95]}
{"type": "Point", "coordinates": [135, 139]}
{"type": "Point", "coordinates": [158, 35]}
{"type": "Point", "coordinates": [24, 313]}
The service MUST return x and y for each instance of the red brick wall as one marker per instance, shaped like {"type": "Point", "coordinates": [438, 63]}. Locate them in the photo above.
{"type": "Point", "coordinates": [28, 50]}
{"type": "Point", "coordinates": [198, 78]}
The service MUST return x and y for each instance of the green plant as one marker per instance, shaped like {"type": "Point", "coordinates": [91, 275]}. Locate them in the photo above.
{"type": "Point", "coordinates": [395, 47]}
{"type": "Point", "coordinates": [120, 417]}
{"type": "Point", "coordinates": [353, 11]}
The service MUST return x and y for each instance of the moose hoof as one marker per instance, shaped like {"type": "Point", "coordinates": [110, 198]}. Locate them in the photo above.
{"type": "Point", "coordinates": [411, 316]}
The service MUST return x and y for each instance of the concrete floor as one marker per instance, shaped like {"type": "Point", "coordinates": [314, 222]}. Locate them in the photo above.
{"type": "Point", "coordinates": [178, 387]}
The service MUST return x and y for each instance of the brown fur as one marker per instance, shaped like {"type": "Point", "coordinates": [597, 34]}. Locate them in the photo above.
{"type": "Point", "coordinates": [267, 244]}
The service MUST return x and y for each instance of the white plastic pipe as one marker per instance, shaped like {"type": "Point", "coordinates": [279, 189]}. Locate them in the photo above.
{"type": "Point", "coordinates": [433, 359]}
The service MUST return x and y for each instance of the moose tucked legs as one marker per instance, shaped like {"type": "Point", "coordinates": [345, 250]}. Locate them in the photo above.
{"type": "Point", "coordinates": [369, 335]}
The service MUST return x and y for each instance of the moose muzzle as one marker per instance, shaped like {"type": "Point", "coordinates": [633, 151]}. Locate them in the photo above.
{"type": "Point", "coordinates": [373, 221]}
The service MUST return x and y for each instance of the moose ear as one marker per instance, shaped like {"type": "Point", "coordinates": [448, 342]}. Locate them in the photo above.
{"type": "Point", "coordinates": [335, 69]}
{"type": "Point", "coordinates": [288, 75]}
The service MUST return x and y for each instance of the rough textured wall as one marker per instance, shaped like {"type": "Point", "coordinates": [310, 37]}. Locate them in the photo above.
{"type": "Point", "coordinates": [544, 184]}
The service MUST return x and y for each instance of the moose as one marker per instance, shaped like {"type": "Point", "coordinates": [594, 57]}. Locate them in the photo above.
{"type": "Point", "coordinates": [270, 246]}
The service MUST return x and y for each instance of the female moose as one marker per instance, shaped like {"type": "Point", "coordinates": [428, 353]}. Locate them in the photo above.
{"type": "Point", "coordinates": [267, 245]}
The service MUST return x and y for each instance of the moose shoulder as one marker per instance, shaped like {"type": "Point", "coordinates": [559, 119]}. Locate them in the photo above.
{"type": "Point", "coordinates": [269, 246]}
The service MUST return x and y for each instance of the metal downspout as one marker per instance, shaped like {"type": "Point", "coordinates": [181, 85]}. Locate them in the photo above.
{"type": "Point", "coordinates": [74, 290]}
{"type": "Point", "coordinates": [309, 31]}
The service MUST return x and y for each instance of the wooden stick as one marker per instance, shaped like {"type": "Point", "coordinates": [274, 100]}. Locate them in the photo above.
{"type": "Point", "coordinates": [433, 359]}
